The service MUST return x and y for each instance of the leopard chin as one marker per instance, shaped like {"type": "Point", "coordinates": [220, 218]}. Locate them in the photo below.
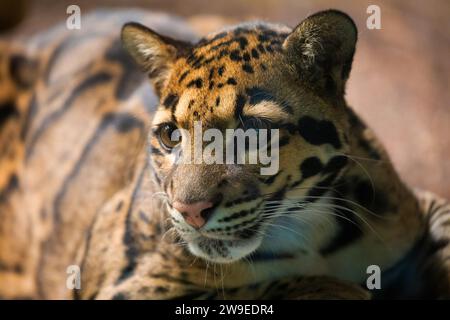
{"type": "Point", "coordinates": [222, 250]}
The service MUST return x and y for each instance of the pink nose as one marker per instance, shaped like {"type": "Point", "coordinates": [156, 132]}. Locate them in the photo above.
{"type": "Point", "coordinates": [195, 213]}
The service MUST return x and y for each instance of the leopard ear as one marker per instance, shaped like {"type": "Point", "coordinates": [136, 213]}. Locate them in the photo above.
{"type": "Point", "coordinates": [155, 53]}
{"type": "Point", "coordinates": [321, 49]}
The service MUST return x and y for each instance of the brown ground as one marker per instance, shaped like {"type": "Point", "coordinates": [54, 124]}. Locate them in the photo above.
{"type": "Point", "coordinates": [400, 78]}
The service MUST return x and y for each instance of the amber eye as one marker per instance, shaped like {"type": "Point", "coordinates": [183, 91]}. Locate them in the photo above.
{"type": "Point", "coordinates": [165, 133]}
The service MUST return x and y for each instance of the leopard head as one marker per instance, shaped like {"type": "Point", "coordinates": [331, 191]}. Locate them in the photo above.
{"type": "Point", "coordinates": [252, 76]}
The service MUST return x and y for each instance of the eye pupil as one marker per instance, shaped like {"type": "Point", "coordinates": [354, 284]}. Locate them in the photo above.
{"type": "Point", "coordinates": [165, 136]}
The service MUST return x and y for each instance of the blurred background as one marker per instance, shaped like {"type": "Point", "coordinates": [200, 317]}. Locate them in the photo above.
{"type": "Point", "coordinates": [399, 82]}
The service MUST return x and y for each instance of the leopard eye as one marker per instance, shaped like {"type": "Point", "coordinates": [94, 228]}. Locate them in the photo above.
{"type": "Point", "coordinates": [164, 134]}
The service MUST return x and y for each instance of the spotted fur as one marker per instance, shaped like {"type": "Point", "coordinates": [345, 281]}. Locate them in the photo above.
{"type": "Point", "coordinates": [85, 181]}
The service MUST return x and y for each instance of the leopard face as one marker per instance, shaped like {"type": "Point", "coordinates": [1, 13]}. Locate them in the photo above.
{"type": "Point", "coordinates": [257, 76]}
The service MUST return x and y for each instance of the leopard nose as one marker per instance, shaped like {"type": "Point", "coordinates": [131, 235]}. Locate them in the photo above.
{"type": "Point", "coordinates": [196, 214]}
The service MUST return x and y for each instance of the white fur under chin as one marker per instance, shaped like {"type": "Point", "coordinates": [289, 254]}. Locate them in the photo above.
{"type": "Point", "coordinates": [237, 249]}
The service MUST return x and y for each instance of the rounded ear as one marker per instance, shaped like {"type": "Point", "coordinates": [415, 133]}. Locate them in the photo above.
{"type": "Point", "coordinates": [155, 53]}
{"type": "Point", "coordinates": [321, 49]}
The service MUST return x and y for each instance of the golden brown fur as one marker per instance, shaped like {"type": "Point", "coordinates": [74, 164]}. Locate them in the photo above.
{"type": "Point", "coordinates": [79, 179]}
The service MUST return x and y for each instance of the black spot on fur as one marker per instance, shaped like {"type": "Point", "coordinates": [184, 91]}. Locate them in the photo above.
{"type": "Point", "coordinates": [234, 55]}
{"type": "Point", "coordinates": [255, 53]}
{"type": "Point", "coordinates": [318, 132]}
{"type": "Point", "coordinates": [14, 268]}
{"type": "Point", "coordinates": [231, 81]}
{"type": "Point", "coordinates": [371, 198]}
{"type": "Point", "coordinates": [211, 73]}
{"type": "Point", "coordinates": [197, 82]}
{"type": "Point", "coordinates": [239, 105]}
{"type": "Point", "coordinates": [191, 58]}
{"type": "Point", "coordinates": [364, 192]}
{"type": "Point", "coordinates": [197, 63]}
{"type": "Point", "coordinates": [161, 290]}
{"type": "Point", "coordinates": [208, 61]}
{"type": "Point", "coordinates": [257, 95]}
{"type": "Point", "coordinates": [183, 76]}
{"type": "Point", "coordinates": [311, 167]}
{"type": "Point", "coordinates": [155, 151]}
{"type": "Point", "coordinates": [170, 101]}
{"type": "Point", "coordinates": [247, 233]}
{"type": "Point", "coordinates": [7, 110]}
{"type": "Point", "coordinates": [263, 37]}
{"type": "Point", "coordinates": [242, 42]}
{"type": "Point", "coordinates": [13, 184]}
{"type": "Point", "coordinates": [370, 149]}
{"type": "Point", "coordinates": [247, 68]}
{"type": "Point", "coordinates": [335, 164]}
{"type": "Point", "coordinates": [223, 53]}
{"type": "Point", "coordinates": [261, 48]}
{"type": "Point", "coordinates": [221, 70]}
{"type": "Point", "coordinates": [23, 71]}
{"type": "Point", "coordinates": [272, 178]}
{"type": "Point", "coordinates": [278, 195]}
{"type": "Point", "coordinates": [284, 140]}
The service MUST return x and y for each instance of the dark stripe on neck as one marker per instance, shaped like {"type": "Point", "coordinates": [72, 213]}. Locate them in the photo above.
{"type": "Point", "coordinates": [349, 226]}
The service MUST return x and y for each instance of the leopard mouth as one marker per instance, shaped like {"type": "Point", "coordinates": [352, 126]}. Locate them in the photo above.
{"type": "Point", "coordinates": [223, 250]}
{"type": "Point", "coordinates": [219, 248]}
{"type": "Point", "coordinates": [222, 243]}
